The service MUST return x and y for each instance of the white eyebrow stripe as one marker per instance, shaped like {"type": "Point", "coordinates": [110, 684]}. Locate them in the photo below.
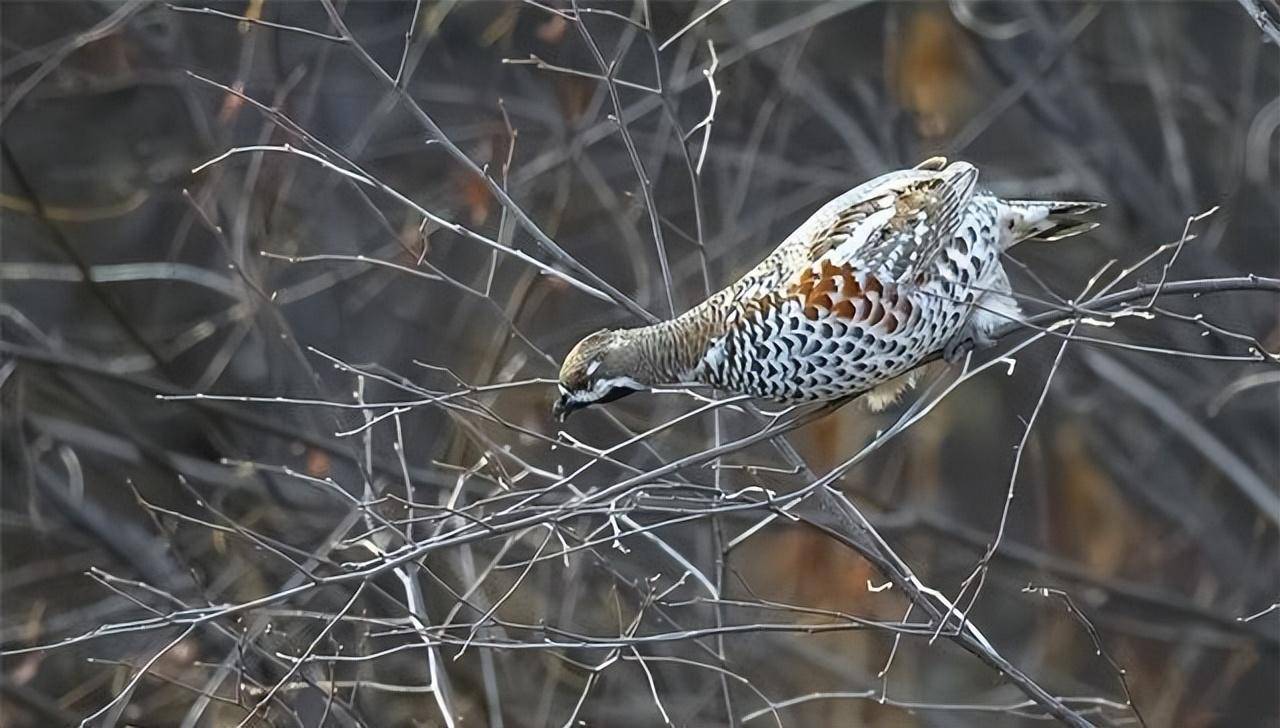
{"type": "Point", "coordinates": [602, 387]}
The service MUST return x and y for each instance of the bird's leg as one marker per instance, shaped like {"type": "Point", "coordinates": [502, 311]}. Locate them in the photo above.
{"type": "Point", "coordinates": [969, 338]}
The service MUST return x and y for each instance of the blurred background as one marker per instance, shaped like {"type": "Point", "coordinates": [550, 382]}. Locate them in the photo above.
{"type": "Point", "coordinates": [429, 203]}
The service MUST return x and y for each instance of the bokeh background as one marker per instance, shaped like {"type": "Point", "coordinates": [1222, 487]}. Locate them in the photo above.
{"type": "Point", "coordinates": [1146, 491]}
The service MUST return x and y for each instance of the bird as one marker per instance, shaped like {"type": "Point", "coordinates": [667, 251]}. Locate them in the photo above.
{"type": "Point", "coordinates": [875, 283]}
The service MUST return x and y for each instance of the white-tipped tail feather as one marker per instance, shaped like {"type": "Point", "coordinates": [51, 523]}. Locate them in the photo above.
{"type": "Point", "coordinates": [1044, 220]}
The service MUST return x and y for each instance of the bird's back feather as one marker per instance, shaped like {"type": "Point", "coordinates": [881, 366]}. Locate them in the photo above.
{"type": "Point", "coordinates": [870, 285]}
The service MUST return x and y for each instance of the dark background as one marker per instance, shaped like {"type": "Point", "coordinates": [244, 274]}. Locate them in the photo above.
{"type": "Point", "coordinates": [1145, 492]}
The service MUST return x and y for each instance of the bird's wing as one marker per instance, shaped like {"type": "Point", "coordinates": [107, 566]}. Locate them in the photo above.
{"type": "Point", "coordinates": [900, 228]}
{"type": "Point", "coordinates": [883, 230]}
{"type": "Point", "coordinates": [863, 252]}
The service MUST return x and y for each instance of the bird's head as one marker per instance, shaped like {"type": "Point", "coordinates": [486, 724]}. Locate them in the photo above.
{"type": "Point", "coordinates": [603, 367]}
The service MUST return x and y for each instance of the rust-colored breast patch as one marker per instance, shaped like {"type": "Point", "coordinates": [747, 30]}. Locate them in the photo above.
{"type": "Point", "coordinates": [840, 291]}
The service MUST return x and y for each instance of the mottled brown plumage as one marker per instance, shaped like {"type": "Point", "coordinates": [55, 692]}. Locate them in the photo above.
{"type": "Point", "coordinates": [873, 283]}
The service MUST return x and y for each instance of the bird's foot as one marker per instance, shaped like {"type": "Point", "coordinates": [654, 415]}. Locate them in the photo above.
{"type": "Point", "coordinates": [969, 339]}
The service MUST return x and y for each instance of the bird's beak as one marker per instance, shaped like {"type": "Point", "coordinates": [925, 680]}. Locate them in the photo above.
{"type": "Point", "coordinates": [562, 407]}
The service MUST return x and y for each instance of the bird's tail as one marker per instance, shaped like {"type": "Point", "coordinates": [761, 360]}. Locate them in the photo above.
{"type": "Point", "coordinates": [1046, 220]}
